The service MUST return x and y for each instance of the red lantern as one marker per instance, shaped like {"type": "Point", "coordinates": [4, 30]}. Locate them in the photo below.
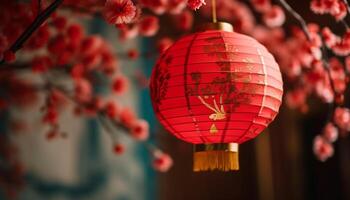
{"type": "Point", "coordinates": [216, 89]}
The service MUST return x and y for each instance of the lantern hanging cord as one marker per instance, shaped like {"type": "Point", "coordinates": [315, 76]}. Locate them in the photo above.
{"type": "Point", "coordinates": [213, 5]}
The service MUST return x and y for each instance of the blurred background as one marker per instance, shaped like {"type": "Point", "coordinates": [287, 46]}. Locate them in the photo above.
{"type": "Point", "coordinates": [277, 165]}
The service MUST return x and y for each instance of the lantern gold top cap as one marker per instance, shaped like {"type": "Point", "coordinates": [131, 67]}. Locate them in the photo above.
{"type": "Point", "coordinates": [222, 26]}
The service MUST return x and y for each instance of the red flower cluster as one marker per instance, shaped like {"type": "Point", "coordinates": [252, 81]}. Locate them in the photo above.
{"type": "Point", "coordinates": [119, 11]}
{"type": "Point", "coordinates": [195, 4]}
{"type": "Point", "coordinates": [336, 8]}
{"type": "Point", "coordinates": [162, 162]}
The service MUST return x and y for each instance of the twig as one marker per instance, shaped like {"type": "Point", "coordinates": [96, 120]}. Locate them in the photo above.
{"type": "Point", "coordinates": [39, 20]}
{"type": "Point", "coordinates": [345, 24]}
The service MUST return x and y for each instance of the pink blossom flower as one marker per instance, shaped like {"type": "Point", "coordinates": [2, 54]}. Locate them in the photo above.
{"type": "Point", "coordinates": [330, 132]}
{"type": "Point", "coordinates": [274, 17]}
{"type": "Point", "coordinates": [148, 26]}
{"type": "Point", "coordinates": [294, 69]}
{"type": "Point", "coordinates": [133, 54]}
{"type": "Point", "coordinates": [176, 6]}
{"type": "Point", "coordinates": [41, 64]}
{"type": "Point", "coordinates": [91, 61]}
{"type": "Point", "coordinates": [127, 117]}
{"type": "Point", "coordinates": [118, 149]}
{"type": "Point", "coordinates": [336, 8]}
{"type": "Point", "coordinates": [329, 37]}
{"type": "Point", "coordinates": [184, 21]}
{"type": "Point", "coordinates": [195, 4]}
{"type": "Point", "coordinates": [119, 11]}
{"type": "Point", "coordinates": [347, 63]}
{"type": "Point", "coordinates": [128, 32]}
{"type": "Point", "coordinates": [57, 99]}
{"type": "Point", "coordinates": [120, 85]}
{"type": "Point", "coordinates": [60, 23]}
{"type": "Point", "coordinates": [75, 33]}
{"type": "Point", "coordinates": [83, 90]}
{"type": "Point", "coordinates": [342, 118]}
{"type": "Point", "coordinates": [339, 11]}
{"type": "Point", "coordinates": [140, 130]}
{"type": "Point", "coordinates": [162, 162]}
{"type": "Point", "coordinates": [164, 43]}
{"type": "Point", "coordinates": [52, 134]}
{"type": "Point", "coordinates": [322, 148]}
{"type": "Point", "coordinates": [77, 71]}
{"type": "Point", "coordinates": [57, 45]}
{"type": "Point", "coordinates": [91, 44]}
{"type": "Point", "coordinates": [317, 6]}
{"type": "Point", "coordinates": [341, 48]}
{"type": "Point", "coordinates": [39, 39]}
{"type": "Point", "coordinates": [157, 6]}
{"type": "Point", "coordinates": [111, 109]}
{"type": "Point", "coordinates": [296, 98]}
{"type": "Point", "coordinates": [51, 115]}
{"type": "Point", "coordinates": [324, 91]}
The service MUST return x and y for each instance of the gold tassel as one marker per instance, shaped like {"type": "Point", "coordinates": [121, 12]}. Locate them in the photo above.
{"type": "Point", "coordinates": [222, 157]}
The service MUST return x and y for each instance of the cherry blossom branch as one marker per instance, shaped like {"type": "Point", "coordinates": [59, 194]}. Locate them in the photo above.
{"type": "Point", "coordinates": [304, 27]}
{"type": "Point", "coordinates": [101, 114]}
{"type": "Point", "coordinates": [39, 20]}
{"type": "Point", "coordinates": [345, 24]}
{"type": "Point", "coordinates": [324, 54]}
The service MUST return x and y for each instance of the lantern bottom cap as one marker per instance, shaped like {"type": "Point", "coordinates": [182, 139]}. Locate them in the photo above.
{"type": "Point", "coordinates": [221, 157]}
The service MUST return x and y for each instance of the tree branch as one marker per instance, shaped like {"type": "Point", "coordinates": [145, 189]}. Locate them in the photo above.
{"type": "Point", "coordinates": [39, 20]}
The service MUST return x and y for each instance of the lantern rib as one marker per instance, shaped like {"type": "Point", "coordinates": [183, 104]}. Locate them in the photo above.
{"type": "Point", "coordinates": [230, 52]}
{"type": "Point", "coordinates": [157, 106]}
{"type": "Point", "coordinates": [183, 123]}
{"type": "Point", "coordinates": [263, 100]}
{"type": "Point", "coordinates": [270, 88]}
{"type": "Point", "coordinates": [253, 83]}
{"type": "Point", "coordinates": [270, 96]}
{"type": "Point", "coordinates": [186, 88]}
{"type": "Point", "coordinates": [181, 116]}
{"type": "Point", "coordinates": [228, 118]}
{"type": "Point", "coordinates": [219, 47]}
{"type": "Point", "coordinates": [179, 65]}
{"type": "Point", "coordinates": [197, 105]}
{"type": "Point", "coordinates": [265, 80]}
{"type": "Point", "coordinates": [234, 50]}
{"type": "Point", "coordinates": [214, 36]}
{"type": "Point", "coordinates": [208, 135]}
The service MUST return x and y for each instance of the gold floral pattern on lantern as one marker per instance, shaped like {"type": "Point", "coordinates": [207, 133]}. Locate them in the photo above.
{"type": "Point", "coordinates": [219, 112]}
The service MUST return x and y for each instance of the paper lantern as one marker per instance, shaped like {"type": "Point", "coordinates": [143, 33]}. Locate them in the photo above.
{"type": "Point", "coordinates": [216, 89]}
